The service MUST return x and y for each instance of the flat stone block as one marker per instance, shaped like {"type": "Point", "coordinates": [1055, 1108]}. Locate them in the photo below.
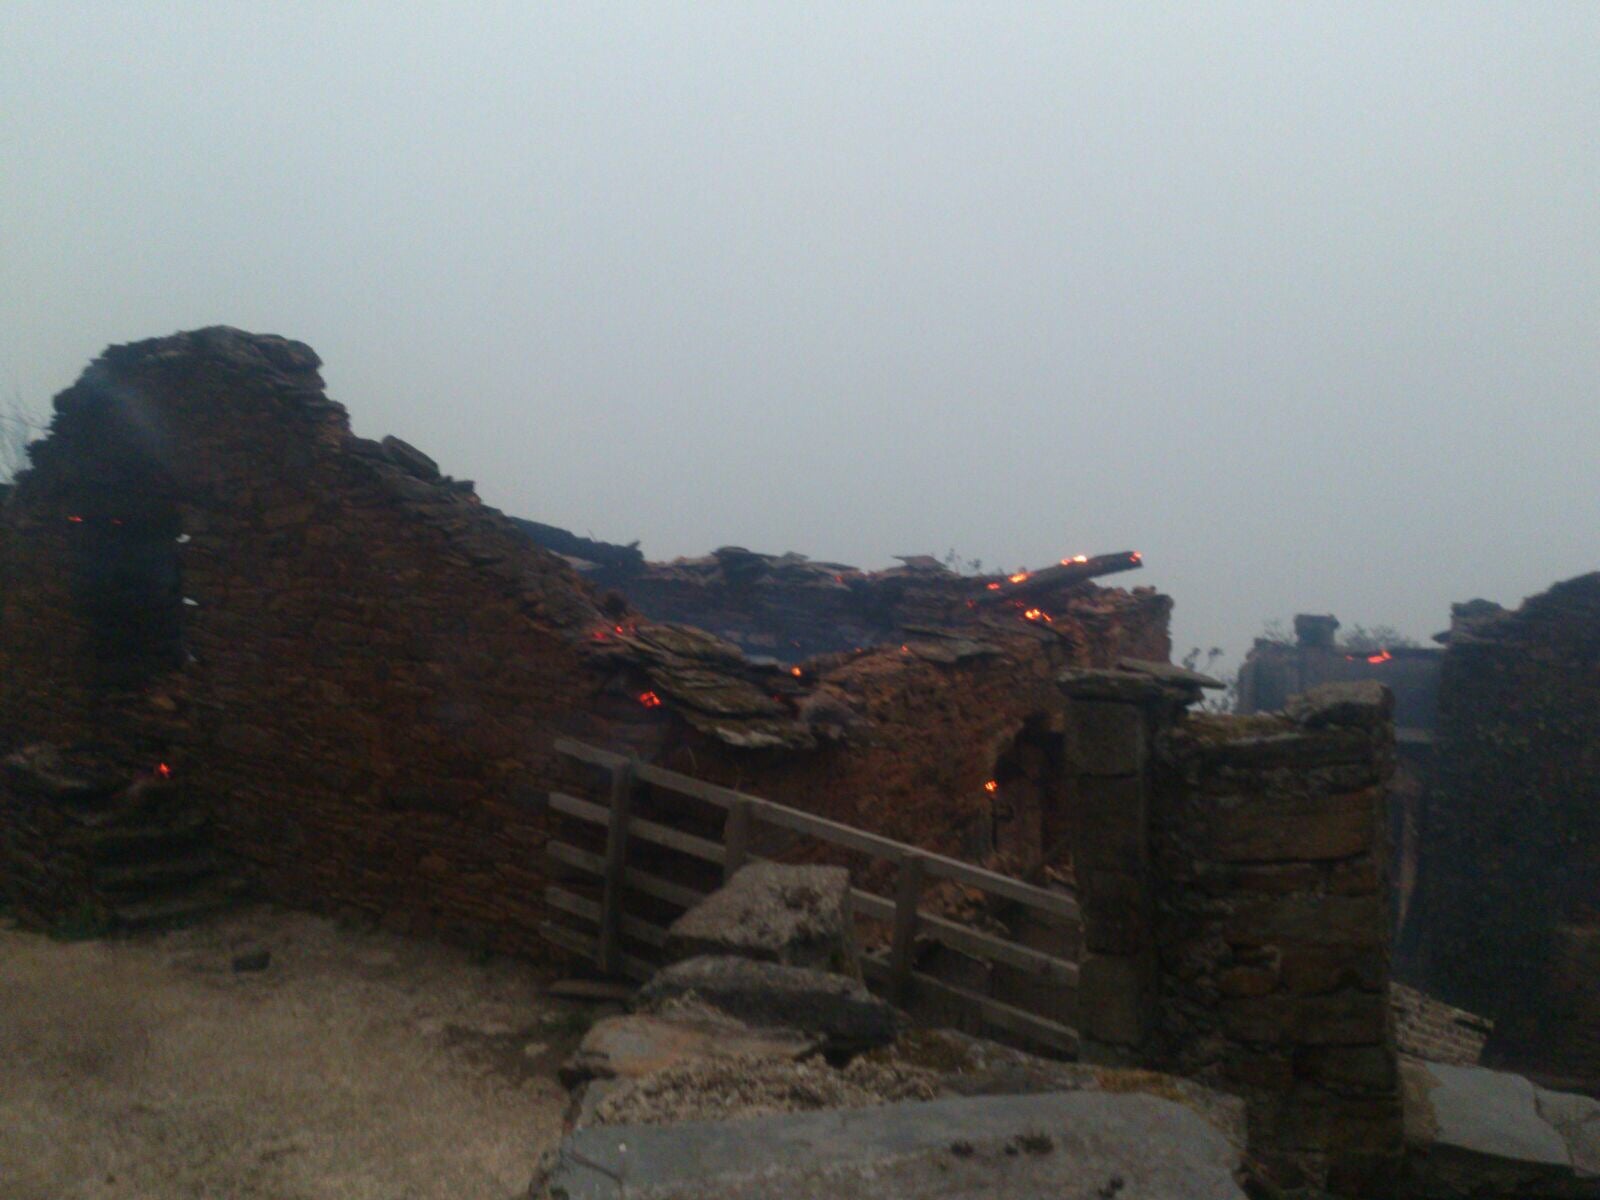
{"type": "Point", "coordinates": [1302, 920]}
{"type": "Point", "coordinates": [1269, 828]}
{"type": "Point", "coordinates": [1040, 1147]}
{"type": "Point", "coordinates": [835, 1008]}
{"type": "Point", "coordinates": [1115, 998]}
{"type": "Point", "coordinates": [1107, 739]}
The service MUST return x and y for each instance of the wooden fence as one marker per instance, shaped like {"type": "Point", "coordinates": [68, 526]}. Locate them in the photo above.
{"type": "Point", "coordinates": [894, 973]}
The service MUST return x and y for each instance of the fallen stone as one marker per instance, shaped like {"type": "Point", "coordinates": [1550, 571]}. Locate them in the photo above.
{"type": "Point", "coordinates": [1019, 1147]}
{"type": "Point", "coordinates": [799, 916]}
{"type": "Point", "coordinates": [964, 1065]}
{"type": "Point", "coordinates": [1577, 1119]}
{"type": "Point", "coordinates": [835, 1008]}
{"type": "Point", "coordinates": [1473, 1131]}
{"type": "Point", "coordinates": [744, 1087]}
{"type": "Point", "coordinates": [641, 1044]}
{"type": "Point", "coordinates": [1364, 704]}
{"type": "Point", "coordinates": [409, 459]}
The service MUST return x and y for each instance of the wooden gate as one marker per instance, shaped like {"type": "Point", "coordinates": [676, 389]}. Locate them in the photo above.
{"type": "Point", "coordinates": [628, 907]}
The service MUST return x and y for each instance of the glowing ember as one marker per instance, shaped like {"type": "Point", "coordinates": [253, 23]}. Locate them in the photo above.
{"type": "Point", "coordinates": [76, 520]}
{"type": "Point", "coordinates": [992, 786]}
{"type": "Point", "coordinates": [1380, 657]}
{"type": "Point", "coordinates": [1080, 558]}
{"type": "Point", "coordinates": [163, 770]}
{"type": "Point", "coordinates": [1136, 556]}
{"type": "Point", "coordinates": [904, 649]}
{"type": "Point", "coordinates": [620, 629]}
{"type": "Point", "coordinates": [1019, 576]}
{"type": "Point", "coordinates": [649, 699]}
{"type": "Point", "coordinates": [993, 587]}
{"type": "Point", "coordinates": [796, 672]}
{"type": "Point", "coordinates": [1037, 614]}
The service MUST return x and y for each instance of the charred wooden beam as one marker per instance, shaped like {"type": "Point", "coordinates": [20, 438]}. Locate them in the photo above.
{"type": "Point", "coordinates": [1064, 575]}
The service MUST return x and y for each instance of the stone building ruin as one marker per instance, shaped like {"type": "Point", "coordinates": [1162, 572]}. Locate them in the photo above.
{"type": "Point", "coordinates": [240, 643]}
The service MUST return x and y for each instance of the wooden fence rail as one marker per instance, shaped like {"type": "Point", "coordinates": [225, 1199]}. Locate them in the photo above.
{"type": "Point", "coordinates": [894, 974]}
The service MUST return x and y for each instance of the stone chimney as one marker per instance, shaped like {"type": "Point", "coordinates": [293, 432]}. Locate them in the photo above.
{"type": "Point", "coordinates": [1315, 632]}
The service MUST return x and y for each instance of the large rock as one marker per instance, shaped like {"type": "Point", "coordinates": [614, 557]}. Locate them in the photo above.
{"type": "Point", "coordinates": [799, 916]}
{"type": "Point", "coordinates": [1472, 1131]}
{"type": "Point", "coordinates": [638, 1044]}
{"type": "Point", "coordinates": [835, 1008]}
{"type": "Point", "coordinates": [1043, 1147]}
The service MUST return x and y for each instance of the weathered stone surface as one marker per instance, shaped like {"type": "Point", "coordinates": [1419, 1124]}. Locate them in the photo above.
{"type": "Point", "coordinates": [1364, 704]}
{"type": "Point", "coordinates": [639, 1044]}
{"type": "Point", "coordinates": [796, 915]}
{"type": "Point", "coordinates": [835, 1008]}
{"type": "Point", "coordinates": [1346, 1018]}
{"type": "Point", "coordinates": [1039, 1147]}
{"type": "Point", "coordinates": [1489, 1133]}
{"type": "Point", "coordinates": [1309, 920]}
{"type": "Point", "coordinates": [1292, 828]}
{"type": "Point", "coordinates": [409, 459]}
{"type": "Point", "coordinates": [1108, 739]}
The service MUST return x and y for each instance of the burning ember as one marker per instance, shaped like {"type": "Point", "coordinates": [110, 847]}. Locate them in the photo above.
{"type": "Point", "coordinates": [76, 520]}
{"type": "Point", "coordinates": [1020, 576]}
{"type": "Point", "coordinates": [992, 786]}
{"type": "Point", "coordinates": [1081, 558]}
{"type": "Point", "coordinates": [1382, 656]}
{"type": "Point", "coordinates": [164, 771]}
{"type": "Point", "coordinates": [1036, 614]}
{"type": "Point", "coordinates": [649, 699]}
{"type": "Point", "coordinates": [797, 672]}
{"type": "Point", "coordinates": [993, 587]}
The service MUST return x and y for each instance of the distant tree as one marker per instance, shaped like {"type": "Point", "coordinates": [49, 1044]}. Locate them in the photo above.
{"type": "Point", "coordinates": [1204, 662]}
{"type": "Point", "coordinates": [960, 565]}
{"type": "Point", "coordinates": [1276, 630]}
{"type": "Point", "coordinates": [1367, 639]}
{"type": "Point", "coordinates": [18, 427]}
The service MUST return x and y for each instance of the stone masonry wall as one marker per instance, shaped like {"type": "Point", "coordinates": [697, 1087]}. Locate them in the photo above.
{"type": "Point", "coordinates": [1267, 842]}
{"type": "Point", "coordinates": [376, 664]}
{"type": "Point", "coordinates": [1508, 904]}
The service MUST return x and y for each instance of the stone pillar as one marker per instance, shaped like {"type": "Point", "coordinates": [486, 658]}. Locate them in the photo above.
{"type": "Point", "coordinates": [1110, 716]}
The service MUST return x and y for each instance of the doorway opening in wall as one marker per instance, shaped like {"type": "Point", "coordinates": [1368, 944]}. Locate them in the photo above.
{"type": "Point", "coordinates": [126, 582]}
{"type": "Point", "coordinates": [1029, 799]}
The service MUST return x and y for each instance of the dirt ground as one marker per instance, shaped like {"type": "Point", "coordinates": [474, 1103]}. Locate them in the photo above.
{"type": "Point", "coordinates": [357, 1066]}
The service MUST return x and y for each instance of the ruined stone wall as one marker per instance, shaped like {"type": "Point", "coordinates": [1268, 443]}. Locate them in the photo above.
{"type": "Point", "coordinates": [376, 665]}
{"type": "Point", "coordinates": [1268, 855]}
{"type": "Point", "coordinates": [1509, 884]}
{"type": "Point", "coordinates": [920, 738]}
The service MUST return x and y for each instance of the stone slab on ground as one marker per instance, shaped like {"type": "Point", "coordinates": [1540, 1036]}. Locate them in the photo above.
{"type": "Point", "coordinates": [1058, 1146]}
{"type": "Point", "coordinates": [1470, 1130]}
{"type": "Point", "coordinates": [798, 915]}
{"type": "Point", "coordinates": [640, 1044]}
{"type": "Point", "coordinates": [835, 1008]}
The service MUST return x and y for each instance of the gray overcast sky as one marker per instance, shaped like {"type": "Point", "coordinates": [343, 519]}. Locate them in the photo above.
{"type": "Point", "coordinates": [1302, 301]}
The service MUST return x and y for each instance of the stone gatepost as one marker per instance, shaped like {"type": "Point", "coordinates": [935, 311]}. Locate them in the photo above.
{"type": "Point", "coordinates": [1111, 719]}
{"type": "Point", "coordinates": [1232, 878]}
